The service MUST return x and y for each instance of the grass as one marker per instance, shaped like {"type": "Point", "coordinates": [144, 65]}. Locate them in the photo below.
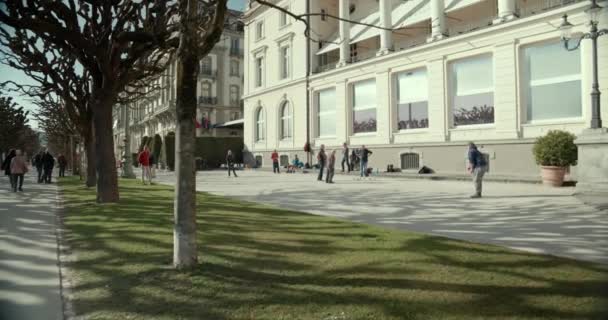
{"type": "Point", "coordinates": [261, 262]}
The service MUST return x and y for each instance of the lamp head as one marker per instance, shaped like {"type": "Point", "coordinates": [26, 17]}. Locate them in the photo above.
{"type": "Point", "coordinates": [594, 11]}
{"type": "Point", "coordinates": [565, 28]}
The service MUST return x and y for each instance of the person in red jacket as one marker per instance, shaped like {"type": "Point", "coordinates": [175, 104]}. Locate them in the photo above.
{"type": "Point", "coordinates": [275, 162]}
{"type": "Point", "coordinates": [144, 162]}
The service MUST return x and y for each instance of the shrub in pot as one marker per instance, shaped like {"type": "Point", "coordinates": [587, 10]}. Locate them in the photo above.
{"type": "Point", "coordinates": [555, 152]}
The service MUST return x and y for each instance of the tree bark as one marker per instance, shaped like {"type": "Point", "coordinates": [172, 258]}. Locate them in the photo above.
{"type": "Point", "coordinates": [184, 231]}
{"type": "Point", "coordinates": [107, 180]}
{"type": "Point", "coordinates": [89, 146]}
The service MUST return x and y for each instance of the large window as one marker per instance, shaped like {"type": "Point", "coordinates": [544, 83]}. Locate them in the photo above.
{"type": "Point", "coordinates": [206, 66]}
{"type": "Point", "coordinates": [327, 112]}
{"type": "Point", "coordinates": [473, 91]}
{"type": "Point", "coordinates": [283, 18]}
{"type": "Point", "coordinates": [553, 82]}
{"type": "Point", "coordinates": [206, 89]}
{"type": "Point", "coordinates": [286, 123]}
{"type": "Point", "coordinates": [259, 71]}
{"type": "Point", "coordinates": [260, 128]}
{"type": "Point", "coordinates": [412, 91]}
{"type": "Point", "coordinates": [285, 55]}
{"type": "Point", "coordinates": [364, 106]}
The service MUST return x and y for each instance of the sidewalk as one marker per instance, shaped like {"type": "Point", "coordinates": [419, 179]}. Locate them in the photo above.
{"type": "Point", "coordinates": [29, 274]}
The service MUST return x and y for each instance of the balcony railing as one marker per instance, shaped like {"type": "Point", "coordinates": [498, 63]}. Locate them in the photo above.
{"type": "Point", "coordinates": [539, 6]}
{"type": "Point", "coordinates": [207, 100]}
{"type": "Point", "coordinates": [236, 52]}
{"type": "Point", "coordinates": [208, 73]}
{"type": "Point", "coordinates": [470, 26]}
{"type": "Point", "coordinates": [326, 67]}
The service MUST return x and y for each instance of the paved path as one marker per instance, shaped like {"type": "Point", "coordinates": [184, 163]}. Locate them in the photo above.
{"type": "Point", "coordinates": [522, 216]}
{"type": "Point", "coordinates": [29, 274]}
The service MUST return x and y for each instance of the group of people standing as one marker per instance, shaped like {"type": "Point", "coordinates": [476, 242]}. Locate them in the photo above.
{"type": "Point", "coordinates": [329, 161]}
{"type": "Point", "coordinates": [15, 166]}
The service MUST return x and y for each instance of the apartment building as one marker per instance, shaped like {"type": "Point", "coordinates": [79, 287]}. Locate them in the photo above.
{"type": "Point", "coordinates": [436, 75]}
{"type": "Point", "coordinates": [220, 89]}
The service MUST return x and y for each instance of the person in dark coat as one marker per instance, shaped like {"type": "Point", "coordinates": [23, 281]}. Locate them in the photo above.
{"type": "Point", "coordinates": [230, 163]}
{"type": "Point", "coordinates": [322, 161]}
{"type": "Point", "coordinates": [38, 164]}
{"type": "Point", "coordinates": [63, 162]}
{"type": "Point", "coordinates": [48, 163]}
{"type": "Point", "coordinates": [6, 165]}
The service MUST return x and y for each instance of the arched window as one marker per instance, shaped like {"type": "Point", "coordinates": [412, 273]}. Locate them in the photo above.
{"type": "Point", "coordinates": [286, 123]}
{"type": "Point", "coordinates": [260, 128]}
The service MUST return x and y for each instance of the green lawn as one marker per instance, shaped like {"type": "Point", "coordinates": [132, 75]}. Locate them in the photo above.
{"type": "Point", "coordinates": [260, 262]}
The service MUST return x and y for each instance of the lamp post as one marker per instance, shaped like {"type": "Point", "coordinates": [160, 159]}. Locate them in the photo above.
{"type": "Point", "coordinates": [593, 12]}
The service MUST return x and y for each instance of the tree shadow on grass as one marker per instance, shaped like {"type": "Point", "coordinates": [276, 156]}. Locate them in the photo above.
{"type": "Point", "coordinates": [259, 262]}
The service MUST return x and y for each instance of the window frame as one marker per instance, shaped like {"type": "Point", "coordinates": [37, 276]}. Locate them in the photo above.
{"type": "Point", "coordinates": [398, 101]}
{"type": "Point", "coordinates": [452, 89]}
{"type": "Point", "coordinates": [285, 61]}
{"type": "Point", "coordinates": [260, 125]}
{"type": "Point", "coordinates": [286, 117]}
{"type": "Point", "coordinates": [354, 108]}
{"type": "Point", "coordinates": [320, 114]}
{"type": "Point", "coordinates": [259, 30]}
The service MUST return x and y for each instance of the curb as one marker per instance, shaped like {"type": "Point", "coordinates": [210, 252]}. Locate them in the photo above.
{"type": "Point", "coordinates": [63, 258]}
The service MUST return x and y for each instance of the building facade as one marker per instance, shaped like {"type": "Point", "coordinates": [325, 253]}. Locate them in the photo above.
{"type": "Point", "coordinates": [439, 74]}
{"type": "Point", "coordinates": [220, 89]}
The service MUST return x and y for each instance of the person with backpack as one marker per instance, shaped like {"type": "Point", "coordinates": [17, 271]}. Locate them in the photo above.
{"type": "Point", "coordinates": [18, 169]}
{"type": "Point", "coordinates": [477, 168]}
{"type": "Point", "coordinates": [48, 163]}
{"type": "Point", "coordinates": [364, 158]}
{"type": "Point", "coordinates": [144, 161]}
{"type": "Point", "coordinates": [230, 163]}
{"type": "Point", "coordinates": [322, 161]}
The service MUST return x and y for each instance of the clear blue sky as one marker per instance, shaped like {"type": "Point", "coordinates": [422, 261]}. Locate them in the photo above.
{"type": "Point", "coordinates": [8, 73]}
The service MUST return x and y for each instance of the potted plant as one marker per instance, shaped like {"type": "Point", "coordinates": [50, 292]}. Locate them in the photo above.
{"type": "Point", "coordinates": [555, 152]}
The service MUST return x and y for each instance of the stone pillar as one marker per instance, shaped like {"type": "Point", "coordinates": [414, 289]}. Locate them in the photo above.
{"type": "Point", "coordinates": [386, 36]}
{"type": "Point", "coordinates": [438, 24]}
{"type": "Point", "coordinates": [344, 12]}
{"type": "Point", "coordinates": [592, 168]}
{"type": "Point", "coordinates": [506, 11]}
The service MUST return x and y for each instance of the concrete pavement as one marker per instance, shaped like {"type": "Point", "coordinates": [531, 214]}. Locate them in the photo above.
{"type": "Point", "coordinates": [29, 273]}
{"type": "Point", "coordinates": [528, 217]}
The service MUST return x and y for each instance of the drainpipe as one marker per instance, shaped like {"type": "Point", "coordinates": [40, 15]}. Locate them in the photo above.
{"type": "Point", "coordinates": [308, 67]}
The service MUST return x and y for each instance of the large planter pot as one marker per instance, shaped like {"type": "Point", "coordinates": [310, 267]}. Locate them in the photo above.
{"type": "Point", "coordinates": [553, 176]}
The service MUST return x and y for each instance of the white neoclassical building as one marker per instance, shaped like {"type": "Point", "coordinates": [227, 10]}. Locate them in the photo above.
{"type": "Point", "coordinates": [439, 73]}
{"type": "Point", "coordinates": [220, 90]}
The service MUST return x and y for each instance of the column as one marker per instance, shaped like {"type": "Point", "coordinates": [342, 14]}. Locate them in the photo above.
{"type": "Point", "coordinates": [438, 25]}
{"type": "Point", "coordinates": [386, 36]}
{"type": "Point", "coordinates": [344, 12]}
{"type": "Point", "coordinates": [506, 106]}
{"type": "Point", "coordinates": [437, 108]}
{"type": "Point", "coordinates": [506, 11]}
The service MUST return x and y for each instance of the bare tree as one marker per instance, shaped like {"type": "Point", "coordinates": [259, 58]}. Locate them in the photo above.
{"type": "Point", "coordinates": [108, 38]}
{"type": "Point", "coordinates": [200, 28]}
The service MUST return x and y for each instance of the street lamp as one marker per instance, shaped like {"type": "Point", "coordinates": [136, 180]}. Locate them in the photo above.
{"type": "Point", "coordinates": [565, 28]}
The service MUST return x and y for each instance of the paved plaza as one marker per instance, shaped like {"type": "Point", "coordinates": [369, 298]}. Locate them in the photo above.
{"type": "Point", "coordinates": [29, 274]}
{"type": "Point", "coordinates": [528, 217]}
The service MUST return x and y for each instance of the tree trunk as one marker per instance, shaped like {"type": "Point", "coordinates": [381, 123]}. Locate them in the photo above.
{"type": "Point", "coordinates": [89, 146]}
{"type": "Point", "coordinates": [184, 230]}
{"type": "Point", "coordinates": [107, 180]}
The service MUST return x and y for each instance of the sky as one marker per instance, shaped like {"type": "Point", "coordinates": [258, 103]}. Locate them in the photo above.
{"type": "Point", "coordinates": [8, 73]}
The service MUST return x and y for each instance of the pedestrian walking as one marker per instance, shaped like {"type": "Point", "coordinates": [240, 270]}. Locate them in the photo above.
{"type": "Point", "coordinates": [345, 156]}
{"type": "Point", "coordinates": [62, 162]}
{"type": "Point", "coordinates": [6, 164]}
{"type": "Point", "coordinates": [48, 163]}
{"type": "Point", "coordinates": [364, 158]}
{"type": "Point", "coordinates": [144, 161]}
{"type": "Point", "coordinates": [353, 160]}
{"type": "Point", "coordinates": [322, 161]}
{"type": "Point", "coordinates": [18, 169]}
{"type": "Point", "coordinates": [275, 162]}
{"type": "Point", "coordinates": [152, 165]}
{"type": "Point", "coordinates": [230, 163]}
{"type": "Point", "coordinates": [477, 168]}
{"type": "Point", "coordinates": [331, 165]}
{"type": "Point", "coordinates": [38, 164]}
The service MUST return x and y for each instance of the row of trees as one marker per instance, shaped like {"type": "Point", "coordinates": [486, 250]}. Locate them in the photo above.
{"type": "Point", "coordinates": [14, 128]}
{"type": "Point", "coordinates": [86, 56]}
